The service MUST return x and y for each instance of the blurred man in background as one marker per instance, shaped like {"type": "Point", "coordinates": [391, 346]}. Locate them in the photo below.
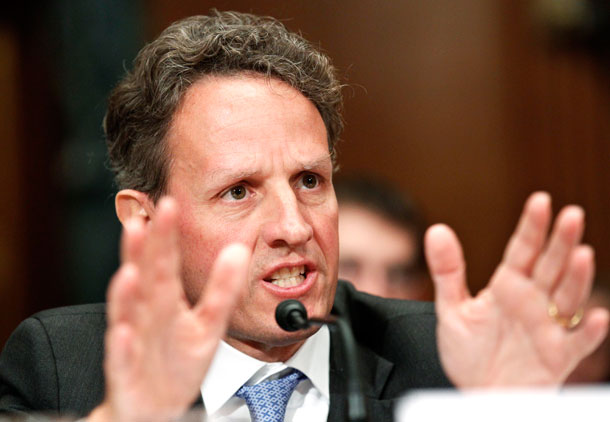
{"type": "Point", "coordinates": [381, 240]}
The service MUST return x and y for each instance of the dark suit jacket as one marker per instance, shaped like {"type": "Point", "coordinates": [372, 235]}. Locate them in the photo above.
{"type": "Point", "coordinates": [53, 361]}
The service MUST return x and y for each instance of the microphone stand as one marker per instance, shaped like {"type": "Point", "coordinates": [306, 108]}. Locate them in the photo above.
{"type": "Point", "coordinates": [291, 315]}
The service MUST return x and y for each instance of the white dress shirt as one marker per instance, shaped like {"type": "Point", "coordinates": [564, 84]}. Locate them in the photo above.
{"type": "Point", "coordinates": [230, 369]}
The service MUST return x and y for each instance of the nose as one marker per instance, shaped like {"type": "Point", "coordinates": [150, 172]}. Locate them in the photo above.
{"type": "Point", "coordinates": [286, 224]}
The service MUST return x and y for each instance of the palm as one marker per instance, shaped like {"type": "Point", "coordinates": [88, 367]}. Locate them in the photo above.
{"type": "Point", "coordinates": [158, 348]}
{"type": "Point", "coordinates": [169, 365]}
{"type": "Point", "coordinates": [504, 336]}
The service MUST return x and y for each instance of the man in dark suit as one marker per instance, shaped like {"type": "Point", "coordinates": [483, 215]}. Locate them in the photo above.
{"type": "Point", "coordinates": [222, 139]}
{"type": "Point", "coordinates": [44, 369]}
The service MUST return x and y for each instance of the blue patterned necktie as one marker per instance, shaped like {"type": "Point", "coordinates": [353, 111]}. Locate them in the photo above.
{"type": "Point", "coordinates": [267, 400]}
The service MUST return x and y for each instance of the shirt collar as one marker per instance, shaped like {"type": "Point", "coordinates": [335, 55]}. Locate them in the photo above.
{"type": "Point", "coordinates": [312, 359]}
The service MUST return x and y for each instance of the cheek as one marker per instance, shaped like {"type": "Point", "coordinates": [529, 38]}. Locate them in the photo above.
{"type": "Point", "coordinates": [197, 257]}
{"type": "Point", "coordinates": [201, 240]}
{"type": "Point", "coordinates": [329, 235]}
{"type": "Point", "coordinates": [329, 245]}
{"type": "Point", "coordinates": [331, 250]}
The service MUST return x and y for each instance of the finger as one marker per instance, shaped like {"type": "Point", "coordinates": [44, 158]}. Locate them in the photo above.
{"type": "Point", "coordinates": [446, 264]}
{"type": "Point", "coordinates": [119, 351]}
{"type": "Point", "coordinates": [132, 240]}
{"type": "Point", "coordinates": [526, 242]}
{"type": "Point", "coordinates": [160, 260]}
{"type": "Point", "coordinates": [122, 294]}
{"type": "Point", "coordinates": [567, 233]}
{"type": "Point", "coordinates": [227, 279]}
{"type": "Point", "coordinates": [589, 335]}
{"type": "Point", "coordinates": [120, 362]}
{"type": "Point", "coordinates": [575, 286]}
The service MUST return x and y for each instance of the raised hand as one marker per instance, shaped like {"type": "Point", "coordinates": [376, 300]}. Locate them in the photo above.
{"type": "Point", "coordinates": [158, 347]}
{"type": "Point", "coordinates": [506, 336]}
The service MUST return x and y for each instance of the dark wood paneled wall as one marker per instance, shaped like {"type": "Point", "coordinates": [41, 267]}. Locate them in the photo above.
{"type": "Point", "coordinates": [558, 115]}
{"type": "Point", "coordinates": [12, 253]}
{"type": "Point", "coordinates": [461, 104]}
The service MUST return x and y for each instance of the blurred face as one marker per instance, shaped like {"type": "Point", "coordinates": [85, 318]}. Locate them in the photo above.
{"type": "Point", "coordinates": [378, 256]}
{"type": "Point", "coordinates": [250, 164]}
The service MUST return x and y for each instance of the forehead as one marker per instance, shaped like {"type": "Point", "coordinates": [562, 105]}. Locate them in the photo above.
{"type": "Point", "coordinates": [223, 117]}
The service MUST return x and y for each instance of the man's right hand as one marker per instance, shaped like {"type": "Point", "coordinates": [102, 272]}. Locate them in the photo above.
{"type": "Point", "coordinates": [158, 347]}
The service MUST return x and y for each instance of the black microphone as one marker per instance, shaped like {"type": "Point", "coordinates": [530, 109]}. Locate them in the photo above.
{"type": "Point", "coordinates": [291, 315]}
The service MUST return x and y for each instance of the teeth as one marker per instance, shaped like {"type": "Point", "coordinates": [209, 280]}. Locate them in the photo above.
{"type": "Point", "coordinates": [289, 282]}
{"type": "Point", "coordinates": [288, 272]}
{"type": "Point", "coordinates": [288, 277]}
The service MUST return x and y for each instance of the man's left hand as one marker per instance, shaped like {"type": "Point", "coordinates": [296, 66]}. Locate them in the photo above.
{"type": "Point", "coordinates": [525, 327]}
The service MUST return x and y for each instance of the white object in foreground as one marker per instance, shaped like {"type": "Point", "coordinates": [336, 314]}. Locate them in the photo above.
{"type": "Point", "coordinates": [590, 404]}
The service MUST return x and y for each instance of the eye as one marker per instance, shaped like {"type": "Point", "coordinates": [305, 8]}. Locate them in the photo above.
{"type": "Point", "coordinates": [236, 193]}
{"type": "Point", "coordinates": [309, 180]}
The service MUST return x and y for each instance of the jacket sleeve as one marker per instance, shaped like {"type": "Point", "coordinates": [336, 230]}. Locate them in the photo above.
{"type": "Point", "coordinates": [28, 374]}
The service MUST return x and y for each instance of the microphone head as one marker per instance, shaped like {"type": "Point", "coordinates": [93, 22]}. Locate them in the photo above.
{"type": "Point", "coordinates": [291, 315]}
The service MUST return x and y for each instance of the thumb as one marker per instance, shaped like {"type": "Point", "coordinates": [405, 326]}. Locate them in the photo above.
{"type": "Point", "coordinates": [447, 267]}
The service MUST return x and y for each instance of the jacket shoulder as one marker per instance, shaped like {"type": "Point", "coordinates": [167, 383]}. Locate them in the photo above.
{"type": "Point", "coordinates": [92, 309]}
{"type": "Point", "coordinates": [53, 361]}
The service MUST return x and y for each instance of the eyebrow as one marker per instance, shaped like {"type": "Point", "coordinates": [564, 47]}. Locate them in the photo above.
{"type": "Point", "coordinates": [325, 161]}
{"type": "Point", "coordinates": [219, 175]}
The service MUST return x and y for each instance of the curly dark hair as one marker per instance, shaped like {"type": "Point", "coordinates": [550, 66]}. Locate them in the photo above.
{"type": "Point", "coordinates": [142, 105]}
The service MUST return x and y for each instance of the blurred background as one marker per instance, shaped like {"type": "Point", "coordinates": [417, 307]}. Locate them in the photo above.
{"type": "Point", "coordinates": [468, 106]}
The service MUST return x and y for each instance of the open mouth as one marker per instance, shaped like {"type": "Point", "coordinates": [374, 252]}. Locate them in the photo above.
{"type": "Point", "coordinates": [288, 276]}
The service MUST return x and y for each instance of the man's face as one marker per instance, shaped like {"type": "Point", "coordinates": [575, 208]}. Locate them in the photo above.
{"type": "Point", "coordinates": [250, 164]}
{"type": "Point", "coordinates": [378, 255]}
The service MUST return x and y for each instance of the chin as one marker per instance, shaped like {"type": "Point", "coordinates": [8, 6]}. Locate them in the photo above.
{"type": "Point", "coordinates": [286, 338]}
{"type": "Point", "coordinates": [266, 339]}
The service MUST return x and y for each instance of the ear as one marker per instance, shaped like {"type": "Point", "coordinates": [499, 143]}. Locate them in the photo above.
{"type": "Point", "coordinates": [130, 203]}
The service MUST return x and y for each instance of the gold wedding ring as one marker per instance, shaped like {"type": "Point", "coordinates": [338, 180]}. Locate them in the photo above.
{"type": "Point", "coordinates": [566, 322]}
